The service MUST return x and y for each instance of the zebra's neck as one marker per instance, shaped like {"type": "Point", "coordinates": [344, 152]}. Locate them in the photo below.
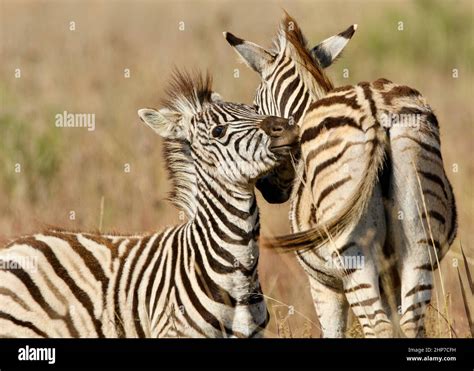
{"type": "Point", "coordinates": [231, 213]}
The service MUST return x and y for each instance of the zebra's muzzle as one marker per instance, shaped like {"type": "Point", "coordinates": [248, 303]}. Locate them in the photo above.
{"type": "Point", "coordinates": [283, 134]}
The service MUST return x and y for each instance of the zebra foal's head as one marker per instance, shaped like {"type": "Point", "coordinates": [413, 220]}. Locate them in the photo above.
{"type": "Point", "coordinates": [228, 142]}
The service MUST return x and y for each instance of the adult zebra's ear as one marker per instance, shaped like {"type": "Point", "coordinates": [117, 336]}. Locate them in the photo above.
{"type": "Point", "coordinates": [328, 50]}
{"type": "Point", "coordinates": [256, 57]}
{"type": "Point", "coordinates": [165, 122]}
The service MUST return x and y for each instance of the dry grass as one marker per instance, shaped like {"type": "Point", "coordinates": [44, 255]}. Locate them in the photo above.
{"type": "Point", "coordinates": [66, 170]}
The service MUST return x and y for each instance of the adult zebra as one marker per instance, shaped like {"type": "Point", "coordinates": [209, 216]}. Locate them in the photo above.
{"type": "Point", "coordinates": [339, 206]}
{"type": "Point", "coordinates": [198, 279]}
{"type": "Point", "coordinates": [291, 81]}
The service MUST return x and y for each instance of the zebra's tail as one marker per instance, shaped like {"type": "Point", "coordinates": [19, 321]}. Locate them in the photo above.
{"type": "Point", "coordinates": [350, 212]}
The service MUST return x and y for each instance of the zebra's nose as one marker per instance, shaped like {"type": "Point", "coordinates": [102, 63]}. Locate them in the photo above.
{"type": "Point", "coordinates": [275, 126]}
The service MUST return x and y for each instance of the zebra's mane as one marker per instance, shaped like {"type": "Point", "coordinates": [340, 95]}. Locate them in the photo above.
{"type": "Point", "coordinates": [187, 95]}
{"type": "Point", "coordinates": [291, 40]}
{"type": "Point", "coordinates": [182, 174]}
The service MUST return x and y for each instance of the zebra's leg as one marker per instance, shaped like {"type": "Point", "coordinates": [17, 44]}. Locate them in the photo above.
{"type": "Point", "coordinates": [423, 210]}
{"type": "Point", "coordinates": [361, 288]}
{"type": "Point", "coordinates": [415, 270]}
{"type": "Point", "coordinates": [417, 284]}
{"type": "Point", "coordinates": [415, 237]}
{"type": "Point", "coordinates": [357, 255]}
{"type": "Point", "coordinates": [331, 307]}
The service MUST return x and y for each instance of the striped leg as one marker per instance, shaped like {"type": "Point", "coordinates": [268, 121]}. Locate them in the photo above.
{"type": "Point", "coordinates": [417, 283]}
{"type": "Point", "coordinates": [415, 271]}
{"type": "Point", "coordinates": [360, 271]}
{"type": "Point", "coordinates": [414, 267]}
{"type": "Point", "coordinates": [361, 288]}
{"type": "Point", "coordinates": [331, 308]}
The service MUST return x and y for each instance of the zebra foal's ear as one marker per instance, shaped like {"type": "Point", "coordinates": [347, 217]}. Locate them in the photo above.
{"type": "Point", "coordinates": [165, 122]}
{"type": "Point", "coordinates": [256, 57]}
{"type": "Point", "coordinates": [328, 50]}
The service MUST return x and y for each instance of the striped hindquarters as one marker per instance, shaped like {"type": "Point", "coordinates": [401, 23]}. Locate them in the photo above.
{"type": "Point", "coordinates": [419, 191]}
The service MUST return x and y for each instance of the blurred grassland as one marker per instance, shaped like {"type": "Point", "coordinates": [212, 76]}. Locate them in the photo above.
{"type": "Point", "coordinates": [65, 170]}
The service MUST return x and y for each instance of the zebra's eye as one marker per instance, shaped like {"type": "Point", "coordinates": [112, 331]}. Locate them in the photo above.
{"type": "Point", "coordinates": [219, 131]}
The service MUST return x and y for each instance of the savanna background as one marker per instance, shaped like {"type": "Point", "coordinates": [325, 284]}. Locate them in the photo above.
{"type": "Point", "coordinates": [75, 178]}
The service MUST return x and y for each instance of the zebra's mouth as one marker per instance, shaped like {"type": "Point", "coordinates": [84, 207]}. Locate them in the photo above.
{"type": "Point", "coordinates": [284, 145]}
{"type": "Point", "coordinates": [282, 148]}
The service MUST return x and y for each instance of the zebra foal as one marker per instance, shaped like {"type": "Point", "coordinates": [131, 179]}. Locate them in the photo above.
{"type": "Point", "coordinates": [198, 279]}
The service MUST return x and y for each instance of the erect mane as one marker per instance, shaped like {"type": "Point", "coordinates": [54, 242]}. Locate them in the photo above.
{"type": "Point", "coordinates": [291, 40]}
{"type": "Point", "coordinates": [187, 95]}
{"type": "Point", "coordinates": [181, 171]}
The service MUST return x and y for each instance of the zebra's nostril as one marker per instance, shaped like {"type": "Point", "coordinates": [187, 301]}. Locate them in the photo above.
{"type": "Point", "coordinates": [277, 130]}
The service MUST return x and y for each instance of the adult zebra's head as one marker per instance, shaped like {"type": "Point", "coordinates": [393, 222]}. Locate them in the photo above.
{"type": "Point", "coordinates": [207, 137]}
{"type": "Point", "coordinates": [292, 77]}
